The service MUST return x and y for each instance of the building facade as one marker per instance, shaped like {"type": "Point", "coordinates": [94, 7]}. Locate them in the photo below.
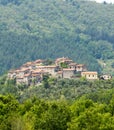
{"type": "Point", "coordinates": [90, 75]}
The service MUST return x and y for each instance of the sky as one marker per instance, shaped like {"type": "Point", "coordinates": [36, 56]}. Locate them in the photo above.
{"type": "Point", "coordinates": [101, 1]}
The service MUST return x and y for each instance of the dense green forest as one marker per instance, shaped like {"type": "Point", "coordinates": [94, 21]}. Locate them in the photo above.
{"type": "Point", "coordinates": [32, 29]}
{"type": "Point", "coordinates": [60, 105]}
{"type": "Point", "coordinates": [37, 114]}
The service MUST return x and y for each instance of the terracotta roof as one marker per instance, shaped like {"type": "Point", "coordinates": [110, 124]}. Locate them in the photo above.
{"type": "Point", "coordinates": [24, 69]}
{"type": "Point", "coordinates": [62, 58]}
{"type": "Point", "coordinates": [80, 65]}
{"type": "Point", "coordinates": [43, 71]}
{"type": "Point", "coordinates": [38, 61]}
{"type": "Point", "coordinates": [26, 75]}
{"type": "Point", "coordinates": [89, 72]}
{"type": "Point", "coordinates": [49, 66]}
{"type": "Point", "coordinates": [27, 64]}
{"type": "Point", "coordinates": [36, 71]}
{"type": "Point", "coordinates": [34, 75]}
{"type": "Point", "coordinates": [60, 72]}
{"type": "Point", "coordinates": [68, 69]}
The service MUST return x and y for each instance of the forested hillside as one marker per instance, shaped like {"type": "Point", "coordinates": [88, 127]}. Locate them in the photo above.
{"type": "Point", "coordinates": [57, 89]}
{"type": "Point", "coordinates": [32, 29]}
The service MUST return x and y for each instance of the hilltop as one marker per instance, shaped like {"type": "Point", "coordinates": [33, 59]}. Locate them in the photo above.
{"type": "Point", "coordinates": [33, 73]}
{"type": "Point", "coordinates": [81, 30]}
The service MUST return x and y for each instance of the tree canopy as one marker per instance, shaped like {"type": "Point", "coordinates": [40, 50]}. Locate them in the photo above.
{"type": "Point", "coordinates": [31, 29]}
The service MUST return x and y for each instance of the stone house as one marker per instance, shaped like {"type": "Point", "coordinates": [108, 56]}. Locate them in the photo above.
{"type": "Point", "coordinates": [20, 80]}
{"type": "Point", "coordinates": [24, 79]}
{"type": "Point", "coordinates": [12, 74]}
{"type": "Point", "coordinates": [63, 60]}
{"type": "Point", "coordinates": [27, 79]}
{"type": "Point", "coordinates": [39, 61]}
{"type": "Point", "coordinates": [29, 65]}
{"type": "Point", "coordinates": [36, 78]}
{"type": "Point", "coordinates": [22, 71]}
{"type": "Point", "coordinates": [68, 73]}
{"type": "Point", "coordinates": [59, 74]}
{"type": "Point", "coordinates": [105, 77]}
{"type": "Point", "coordinates": [81, 67]}
{"type": "Point", "coordinates": [51, 69]}
{"type": "Point", "coordinates": [72, 65]}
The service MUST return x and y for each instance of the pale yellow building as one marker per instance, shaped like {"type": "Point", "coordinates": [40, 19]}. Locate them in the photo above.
{"type": "Point", "coordinates": [92, 75]}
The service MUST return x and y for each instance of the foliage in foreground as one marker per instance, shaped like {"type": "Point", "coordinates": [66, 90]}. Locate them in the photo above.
{"type": "Point", "coordinates": [63, 105]}
{"type": "Point", "coordinates": [37, 114]}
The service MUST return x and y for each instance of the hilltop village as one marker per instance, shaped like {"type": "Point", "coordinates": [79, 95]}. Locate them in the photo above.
{"type": "Point", "coordinates": [61, 68]}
